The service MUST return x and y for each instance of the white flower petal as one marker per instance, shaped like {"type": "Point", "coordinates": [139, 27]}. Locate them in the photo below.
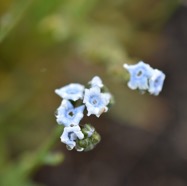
{"type": "Point", "coordinates": [95, 101]}
{"type": "Point", "coordinates": [73, 91]}
{"type": "Point", "coordinates": [96, 81]}
{"type": "Point", "coordinates": [67, 133]}
{"type": "Point", "coordinates": [139, 75]}
{"type": "Point", "coordinates": [67, 114]}
{"type": "Point", "coordinates": [156, 82]}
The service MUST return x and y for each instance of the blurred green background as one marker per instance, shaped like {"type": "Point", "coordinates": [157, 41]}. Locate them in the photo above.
{"type": "Point", "coordinates": [46, 44]}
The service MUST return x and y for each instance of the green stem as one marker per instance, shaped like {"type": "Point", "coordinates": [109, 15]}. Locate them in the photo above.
{"type": "Point", "coordinates": [19, 173]}
{"type": "Point", "coordinates": [37, 161]}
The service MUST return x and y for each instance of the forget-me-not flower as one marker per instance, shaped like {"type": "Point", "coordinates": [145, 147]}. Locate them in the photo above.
{"type": "Point", "coordinates": [139, 75]}
{"type": "Point", "coordinates": [95, 101]}
{"type": "Point", "coordinates": [96, 81]}
{"type": "Point", "coordinates": [67, 114]}
{"type": "Point", "coordinates": [70, 135]}
{"type": "Point", "coordinates": [156, 82]}
{"type": "Point", "coordinates": [73, 91]}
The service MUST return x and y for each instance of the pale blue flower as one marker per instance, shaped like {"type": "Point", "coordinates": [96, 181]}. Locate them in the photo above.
{"type": "Point", "coordinates": [73, 91]}
{"type": "Point", "coordinates": [70, 135]}
{"type": "Point", "coordinates": [67, 114]}
{"type": "Point", "coordinates": [95, 101]}
{"type": "Point", "coordinates": [96, 81]}
{"type": "Point", "coordinates": [156, 82]}
{"type": "Point", "coordinates": [139, 75]}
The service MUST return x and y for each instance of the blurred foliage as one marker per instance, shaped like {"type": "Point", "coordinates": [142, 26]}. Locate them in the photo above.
{"type": "Point", "coordinates": [45, 44]}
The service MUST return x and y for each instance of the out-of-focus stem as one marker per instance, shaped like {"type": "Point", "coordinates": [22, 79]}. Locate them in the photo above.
{"type": "Point", "coordinates": [10, 20]}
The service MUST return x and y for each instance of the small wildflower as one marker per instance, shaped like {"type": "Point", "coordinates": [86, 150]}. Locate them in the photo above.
{"type": "Point", "coordinates": [96, 81]}
{"type": "Point", "coordinates": [70, 135]}
{"type": "Point", "coordinates": [95, 101]}
{"type": "Point", "coordinates": [139, 75]}
{"type": "Point", "coordinates": [67, 114]}
{"type": "Point", "coordinates": [73, 91]}
{"type": "Point", "coordinates": [156, 82]}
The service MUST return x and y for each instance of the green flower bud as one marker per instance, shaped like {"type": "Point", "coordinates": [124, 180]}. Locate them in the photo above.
{"type": "Point", "coordinates": [91, 139]}
{"type": "Point", "coordinates": [95, 138]}
{"type": "Point", "coordinates": [88, 130]}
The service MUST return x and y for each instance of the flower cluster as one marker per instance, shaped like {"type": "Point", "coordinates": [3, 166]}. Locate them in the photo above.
{"type": "Point", "coordinates": [144, 78]}
{"type": "Point", "coordinates": [76, 101]}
